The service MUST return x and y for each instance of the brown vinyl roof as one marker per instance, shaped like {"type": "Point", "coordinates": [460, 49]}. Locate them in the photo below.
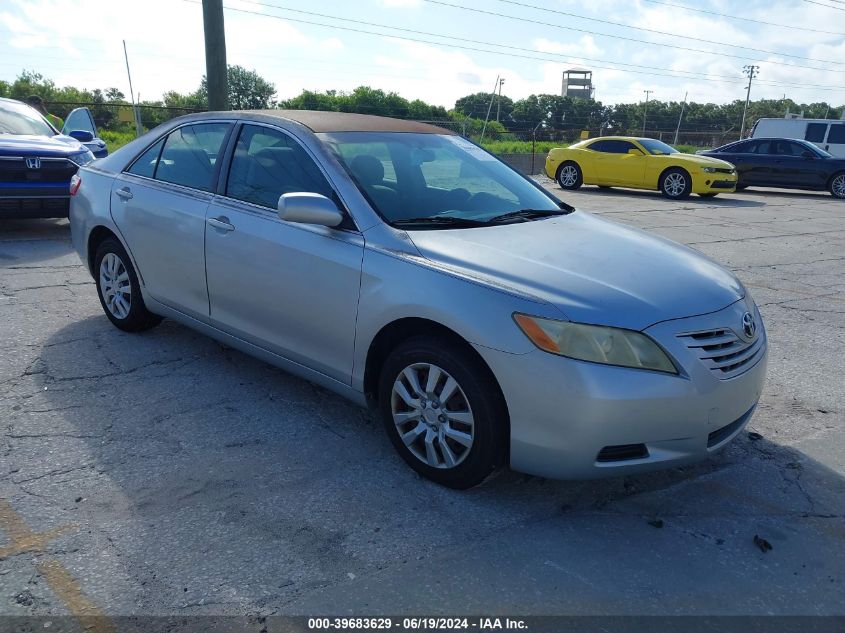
{"type": "Point", "coordinates": [319, 121]}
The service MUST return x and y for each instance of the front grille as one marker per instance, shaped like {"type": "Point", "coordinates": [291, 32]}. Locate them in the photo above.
{"type": "Point", "coordinates": [622, 452]}
{"type": "Point", "coordinates": [14, 170]}
{"type": "Point", "coordinates": [720, 435]}
{"type": "Point", "coordinates": [34, 207]}
{"type": "Point", "coordinates": [723, 184]}
{"type": "Point", "coordinates": [723, 352]}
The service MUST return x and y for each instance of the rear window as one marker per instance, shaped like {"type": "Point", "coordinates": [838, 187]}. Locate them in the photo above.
{"type": "Point", "coordinates": [837, 133]}
{"type": "Point", "coordinates": [815, 132]}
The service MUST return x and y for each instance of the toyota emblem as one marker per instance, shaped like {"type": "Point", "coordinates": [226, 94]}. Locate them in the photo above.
{"type": "Point", "coordinates": [749, 327]}
{"type": "Point", "coordinates": [33, 162]}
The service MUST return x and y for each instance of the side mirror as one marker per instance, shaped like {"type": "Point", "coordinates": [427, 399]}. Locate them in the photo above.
{"type": "Point", "coordinates": [309, 208]}
{"type": "Point", "coordinates": [634, 152]}
{"type": "Point", "coordinates": [81, 135]}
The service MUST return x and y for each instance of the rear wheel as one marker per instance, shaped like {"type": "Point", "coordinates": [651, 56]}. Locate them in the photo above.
{"type": "Point", "coordinates": [569, 176]}
{"type": "Point", "coordinates": [676, 183]}
{"type": "Point", "coordinates": [443, 411]}
{"type": "Point", "coordinates": [119, 290]}
{"type": "Point", "coordinates": [837, 185]}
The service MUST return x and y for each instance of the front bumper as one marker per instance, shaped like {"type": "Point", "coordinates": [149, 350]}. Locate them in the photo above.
{"type": "Point", "coordinates": [714, 183]}
{"type": "Point", "coordinates": [576, 420]}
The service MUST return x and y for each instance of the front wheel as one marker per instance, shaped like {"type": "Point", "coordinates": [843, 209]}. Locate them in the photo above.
{"type": "Point", "coordinates": [676, 183]}
{"type": "Point", "coordinates": [837, 186]}
{"type": "Point", "coordinates": [569, 176]}
{"type": "Point", "coordinates": [119, 290]}
{"type": "Point", "coordinates": [443, 412]}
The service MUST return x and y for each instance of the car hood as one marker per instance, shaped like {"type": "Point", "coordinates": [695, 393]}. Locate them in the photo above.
{"type": "Point", "coordinates": [701, 161]}
{"type": "Point", "coordinates": [33, 145]}
{"type": "Point", "coordinates": [593, 270]}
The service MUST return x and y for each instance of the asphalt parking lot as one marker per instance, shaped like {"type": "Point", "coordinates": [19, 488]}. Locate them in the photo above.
{"type": "Point", "coordinates": [162, 473]}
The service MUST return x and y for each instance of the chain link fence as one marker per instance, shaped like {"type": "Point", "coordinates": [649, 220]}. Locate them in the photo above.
{"type": "Point", "coordinates": [523, 149]}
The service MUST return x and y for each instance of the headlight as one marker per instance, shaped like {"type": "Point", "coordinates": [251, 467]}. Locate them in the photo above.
{"type": "Point", "coordinates": [83, 158]}
{"type": "Point", "coordinates": [708, 170]}
{"type": "Point", "coordinates": [595, 343]}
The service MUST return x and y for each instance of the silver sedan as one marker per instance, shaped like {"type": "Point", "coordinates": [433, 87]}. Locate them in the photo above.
{"type": "Point", "coordinates": [406, 268]}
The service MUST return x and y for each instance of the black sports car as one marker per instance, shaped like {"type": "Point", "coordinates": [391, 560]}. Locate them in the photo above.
{"type": "Point", "coordinates": [783, 162]}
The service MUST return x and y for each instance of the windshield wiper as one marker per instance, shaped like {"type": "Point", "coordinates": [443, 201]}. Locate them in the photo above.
{"type": "Point", "coordinates": [527, 214]}
{"type": "Point", "coordinates": [449, 221]}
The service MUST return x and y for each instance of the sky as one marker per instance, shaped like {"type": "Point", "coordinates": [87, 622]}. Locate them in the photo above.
{"type": "Point", "coordinates": [440, 50]}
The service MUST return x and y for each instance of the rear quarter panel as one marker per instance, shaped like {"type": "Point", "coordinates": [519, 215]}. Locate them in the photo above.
{"type": "Point", "coordinates": [89, 208]}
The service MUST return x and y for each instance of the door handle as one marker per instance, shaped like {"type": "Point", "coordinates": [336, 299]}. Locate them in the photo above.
{"type": "Point", "coordinates": [221, 223]}
{"type": "Point", "coordinates": [124, 193]}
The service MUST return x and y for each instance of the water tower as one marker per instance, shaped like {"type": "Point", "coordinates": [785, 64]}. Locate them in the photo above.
{"type": "Point", "coordinates": [577, 82]}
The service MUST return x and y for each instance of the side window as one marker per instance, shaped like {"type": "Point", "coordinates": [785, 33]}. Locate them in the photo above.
{"type": "Point", "coordinates": [601, 146]}
{"type": "Point", "coordinates": [145, 164]}
{"type": "Point", "coordinates": [766, 147]}
{"type": "Point", "coordinates": [268, 163]}
{"type": "Point", "coordinates": [80, 119]}
{"type": "Point", "coordinates": [792, 149]}
{"type": "Point", "coordinates": [189, 155]}
{"type": "Point", "coordinates": [815, 132]}
{"type": "Point", "coordinates": [739, 148]}
{"type": "Point", "coordinates": [622, 147]}
{"type": "Point", "coordinates": [837, 133]}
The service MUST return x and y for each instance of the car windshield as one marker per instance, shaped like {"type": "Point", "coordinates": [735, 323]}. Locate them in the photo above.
{"type": "Point", "coordinates": [437, 181]}
{"type": "Point", "coordinates": [657, 148]}
{"type": "Point", "coordinates": [18, 118]}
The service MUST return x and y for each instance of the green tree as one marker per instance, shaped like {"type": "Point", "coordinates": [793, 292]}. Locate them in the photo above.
{"type": "Point", "coordinates": [476, 105]}
{"type": "Point", "coordinates": [247, 90]}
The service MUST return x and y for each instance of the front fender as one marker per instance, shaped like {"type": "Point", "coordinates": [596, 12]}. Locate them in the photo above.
{"type": "Point", "coordinates": [397, 285]}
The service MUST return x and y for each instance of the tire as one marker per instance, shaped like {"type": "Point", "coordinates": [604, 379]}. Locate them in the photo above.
{"type": "Point", "coordinates": [569, 176]}
{"type": "Point", "coordinates": [837, 185]}
{"type": "Point", "coordinates": [125, 307]}
{"type": "Point", "coordinates": [478, 417]}
{"type": "Point", "coordinates": [676, 183]}
{"type": "Point", "coordinates": [708, 195]}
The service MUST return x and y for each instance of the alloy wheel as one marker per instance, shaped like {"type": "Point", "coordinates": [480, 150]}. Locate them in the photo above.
{"type": "Point", "coordinates": [568, 176]}
{"type": "Point", "coordinates": [115, 286]}
{"type": "Point", "coordinates": [432, 415]}
{"type": "Point", "coordinates": [837, 187]}
{"type": "Point", "coordinates": [674, 184]}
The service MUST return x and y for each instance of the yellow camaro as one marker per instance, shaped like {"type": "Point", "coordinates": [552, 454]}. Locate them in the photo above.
{"type": "Point", "coordinates": [640, 163]}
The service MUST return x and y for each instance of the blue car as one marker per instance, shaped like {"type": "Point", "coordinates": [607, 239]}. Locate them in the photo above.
{"type": "Point", "coordinates": [37, 162]}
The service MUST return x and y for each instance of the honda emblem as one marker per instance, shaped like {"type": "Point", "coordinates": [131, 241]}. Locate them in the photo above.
{"type": "Point", "coordinates": [33, 162]}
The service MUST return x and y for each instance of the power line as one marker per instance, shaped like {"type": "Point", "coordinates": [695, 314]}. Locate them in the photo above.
{"type": "Point", "coordinates": [668, 72]}
{"type": "Point", "coordinates": [826, 6]}
{"type": "Point", "coordinates": [630, 39]}
{"type": "Point", "coordinates": [647, 30]}
{"type": "Point", "coordinates": [736, 17]}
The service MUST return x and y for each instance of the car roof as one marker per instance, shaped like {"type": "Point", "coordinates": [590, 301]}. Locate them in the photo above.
{"type": "Point", "coordinates": [321, 121]}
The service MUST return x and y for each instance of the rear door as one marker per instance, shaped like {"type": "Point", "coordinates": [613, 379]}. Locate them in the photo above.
{"type": "Point", "coordinates": [159, 205]}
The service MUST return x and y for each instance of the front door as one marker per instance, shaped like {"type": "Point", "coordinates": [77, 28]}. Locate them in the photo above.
{"type": "Point", "coordinates": [289, 288]}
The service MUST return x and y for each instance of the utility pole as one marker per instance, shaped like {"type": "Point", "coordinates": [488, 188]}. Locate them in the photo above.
{"type": "Point", "coordinates": [215, 54]}
{"type": "Point", "coordinates": [135, 111]}
{"type": "Point", "coordinates": [645, 111]}
{"type": "Point", "coordinates": [499, 102]}
{"type": "Point", "coordinates": [678, 129]}
{"type": "Point", "coordinates": [490, 107]}
{"type": "Point", "coordinates": [752, 72]}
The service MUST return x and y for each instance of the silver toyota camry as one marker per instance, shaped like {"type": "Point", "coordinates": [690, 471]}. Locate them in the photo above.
{"type": "Point", "coordinates": [406, 268]}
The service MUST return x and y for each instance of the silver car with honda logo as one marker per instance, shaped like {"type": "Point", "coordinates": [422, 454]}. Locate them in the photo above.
{"type": "Point", "coordinates": [407, 269]}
